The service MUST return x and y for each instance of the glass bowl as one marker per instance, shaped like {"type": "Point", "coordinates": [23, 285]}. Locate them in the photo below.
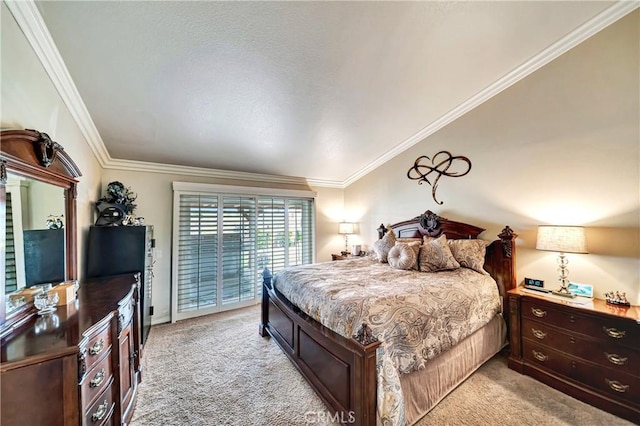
{"type": "Point", "coordinates": [45, 302]}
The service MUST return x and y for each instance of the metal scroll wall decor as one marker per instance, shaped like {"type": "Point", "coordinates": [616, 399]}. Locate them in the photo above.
{"type": "Point", "coordinates": [441, 162]}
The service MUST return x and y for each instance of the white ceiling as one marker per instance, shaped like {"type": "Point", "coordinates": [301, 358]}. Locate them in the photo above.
{"type": "Point", "coordinates": [320, 90]}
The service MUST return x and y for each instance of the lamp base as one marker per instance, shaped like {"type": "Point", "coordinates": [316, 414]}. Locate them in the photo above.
{"type": "Point", "coordinates": [563, 294]}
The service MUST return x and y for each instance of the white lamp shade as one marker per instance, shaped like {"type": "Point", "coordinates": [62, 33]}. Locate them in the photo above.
{"type": "Point", "coordinates": [564, 239]}
{"type": "Point", "coordinates": [345, 228]}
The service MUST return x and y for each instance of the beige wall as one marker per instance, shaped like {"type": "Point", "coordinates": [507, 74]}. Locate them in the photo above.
{"type": "Point", "coordinates": [30, 101]}
{"type": "Point", "coordinates": [559, 147]}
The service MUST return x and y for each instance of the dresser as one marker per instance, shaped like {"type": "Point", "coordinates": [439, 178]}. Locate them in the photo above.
{"type": "Point", "coordinates": [589, 351]}
{"type": "Point", "coordinates": [79, 365]}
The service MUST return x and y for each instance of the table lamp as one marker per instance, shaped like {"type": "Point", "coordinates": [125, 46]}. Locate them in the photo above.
{"type": "Point", "coordinates": [345, 228]}
{"type": "Point", "coordinates": [562, 239]}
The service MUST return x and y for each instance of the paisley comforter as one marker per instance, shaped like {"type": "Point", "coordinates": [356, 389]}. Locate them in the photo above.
{"type": "Point", "coordinates": [416, 315]}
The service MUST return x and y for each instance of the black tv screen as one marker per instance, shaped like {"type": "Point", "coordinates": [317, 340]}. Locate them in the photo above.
{"type": "Point", "coordinates": [43, 256]}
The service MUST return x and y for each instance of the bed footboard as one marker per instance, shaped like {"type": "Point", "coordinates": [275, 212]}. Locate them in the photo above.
{"type": "Point", "coordinates": [342, 371]}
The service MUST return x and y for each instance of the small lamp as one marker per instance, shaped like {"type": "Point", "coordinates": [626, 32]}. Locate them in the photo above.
{"type": "Point", "coordinates": [563, 239]}
{"type": "Point", "coordinates": [345, 228]}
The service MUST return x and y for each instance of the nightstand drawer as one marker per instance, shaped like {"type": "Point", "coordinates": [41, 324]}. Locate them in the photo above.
{"type": "Point", "coordinates": [616, 357]}
{"type": "Point", "coordinates": [611, 329]}
{"type": "Point", "coordinates": [613, 383]}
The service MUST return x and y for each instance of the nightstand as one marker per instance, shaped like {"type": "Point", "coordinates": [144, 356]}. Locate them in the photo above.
{"type": "Point", "coordinates": [339, 256]}
{"type": "Point", "coordinates": [589, 351]}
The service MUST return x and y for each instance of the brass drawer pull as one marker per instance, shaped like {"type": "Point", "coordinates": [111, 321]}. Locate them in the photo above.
{"type": "Point", "coordinates": [538, 312]}
{"type": "Point", "coordinates": [616, 359]}
{"type": "Point", "coordinates": [97, 379]}
{"type": "Point", "coordinates": [616, 385]}
{"type": "Point", "coordinates": [612, 332]}
{"type": "Point", "coordinates": [100, 412]}
{"type": "Point", "coordinates": [97, 347]}
{"type": "Point", "coordinates": [539, 355]}
{"type": "Point", "coordinates": [538, 333]}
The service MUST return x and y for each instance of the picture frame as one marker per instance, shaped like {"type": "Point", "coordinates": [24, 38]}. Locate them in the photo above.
{"type": "Point", "coordinates": [584, 290]}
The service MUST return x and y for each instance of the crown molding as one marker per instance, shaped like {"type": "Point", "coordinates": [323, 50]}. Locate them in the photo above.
{"type": "Point", "coordinates": [144, 166]}
{"type": "Point", "coordinates": [571, 40]}
{"type": "Point", "coordinates": [32, 25]}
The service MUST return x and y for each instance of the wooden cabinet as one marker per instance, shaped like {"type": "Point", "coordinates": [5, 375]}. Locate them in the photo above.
{"type": "Point", "coordinates": [589, 351]}
{"type": "Point", "coordinates": [79, 365]}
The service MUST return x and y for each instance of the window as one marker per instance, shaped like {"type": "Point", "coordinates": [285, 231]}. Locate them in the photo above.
{"type": "Point", "coordinates": [224, 240]}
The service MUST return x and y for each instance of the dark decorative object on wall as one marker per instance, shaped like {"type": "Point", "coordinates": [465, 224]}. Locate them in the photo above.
{"type": "Point", "coordinates": [440, 164]}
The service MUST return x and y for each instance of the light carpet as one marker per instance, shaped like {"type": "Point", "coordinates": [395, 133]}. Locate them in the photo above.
{"type": "Point", "coordinates": [217, 370]}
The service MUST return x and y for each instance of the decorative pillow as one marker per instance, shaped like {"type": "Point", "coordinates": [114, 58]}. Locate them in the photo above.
{"type": "Point", "coordinates": [427, 239]}
{"type": "Point", "coordinates": [402, 256]}
{"type": "Point", "coordinates": [415, 245]}
{"type": "Point", "coordinates": [470, 253]}
{"type": "Point", "coordinates": [409, 240]}
{"type": "Point", "coordinates": [436, 256]}
{"type": "Point", "coordinates": [382, 246]}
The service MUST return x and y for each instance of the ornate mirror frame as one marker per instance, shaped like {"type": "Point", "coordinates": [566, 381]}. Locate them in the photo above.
{"type": "Point", "coordinates": [34, 155]}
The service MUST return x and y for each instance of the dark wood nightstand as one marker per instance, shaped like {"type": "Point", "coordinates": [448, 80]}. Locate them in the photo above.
{"type": "Point", "coordinates": [590, 351]}
{"type": "Point", "coordinates": [339, 256]}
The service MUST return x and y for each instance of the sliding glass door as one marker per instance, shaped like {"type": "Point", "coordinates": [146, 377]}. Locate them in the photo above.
{"type": "Point", "coordinates": [223, 242]}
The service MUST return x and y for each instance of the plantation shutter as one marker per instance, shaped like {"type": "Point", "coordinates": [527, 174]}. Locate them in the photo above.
{"type": "Point", "coordinates": [271, 232]}
{"type": "Point", "coordinates": [223, 242]}
{"type": "Point", "coordinates": [238, 249]}
{"type": "Point", "coordinates": [11, 275]}
{"type": "Point", "coordinates": [197, 275]}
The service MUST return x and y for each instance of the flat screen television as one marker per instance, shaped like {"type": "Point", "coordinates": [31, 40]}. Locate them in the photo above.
{"type": "Point", "coordinates": [43, 256]}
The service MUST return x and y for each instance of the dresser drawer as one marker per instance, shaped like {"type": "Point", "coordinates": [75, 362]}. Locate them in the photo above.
{"type": "Point", "coordinates": [96, 379]}
{"type": "Point", "coordinates": [99, 343]}
{"type": "Point", "coordinates": [609, 328]}
{"type": "Point", "coordinates": [605, 353]}
{"type": "Point", "coordinates": [613, 383]}
{"type": "Point", "coordinates": [101, 411]}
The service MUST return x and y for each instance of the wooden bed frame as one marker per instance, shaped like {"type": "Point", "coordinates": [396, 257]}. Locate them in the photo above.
{"type": "Point", "coordinates": [342, 371]}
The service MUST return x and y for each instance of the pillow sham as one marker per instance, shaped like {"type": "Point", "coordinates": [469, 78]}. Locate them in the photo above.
{"type": "Point", "coordinates": [470, 253]}
{"type": "Point", "coordinates": [409, 240]}
{"type": "Point", "coordinates": [382, 246]}
{"type": "Point", "coordinates": [402, 256]}
{"type": "Point", "coordinates": [436, 256]}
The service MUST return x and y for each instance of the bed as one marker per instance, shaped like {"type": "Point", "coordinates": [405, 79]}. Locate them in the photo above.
{"type": "Point", "coordinates": [345, 344]}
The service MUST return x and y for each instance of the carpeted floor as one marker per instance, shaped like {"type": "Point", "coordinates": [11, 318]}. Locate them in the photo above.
{"type": "Point", "coordinates": [217, 370]}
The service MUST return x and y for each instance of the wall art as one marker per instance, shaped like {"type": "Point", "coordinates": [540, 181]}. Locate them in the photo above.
{"type": "Point", "coordinates": [442, 164]}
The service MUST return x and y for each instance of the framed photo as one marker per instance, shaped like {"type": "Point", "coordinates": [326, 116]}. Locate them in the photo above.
{"type": "Point", "coordinates": [578, 289]}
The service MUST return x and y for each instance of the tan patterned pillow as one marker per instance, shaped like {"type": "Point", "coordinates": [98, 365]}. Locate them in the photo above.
{"type": "Point", "coordinates": [382, 246]}
{"type": "Point", "coordinates": [470, 253]}
{"type": "Point", "coordinates": [427, 239]}
{"type": "Point", "coordinates": [436, 256]}
{"type": "Point", "coordinates": [415, 245]}
{"type": "Point", "coordinates": [402, 256]}
{"type": "Point", "coordinates": [409, 240]}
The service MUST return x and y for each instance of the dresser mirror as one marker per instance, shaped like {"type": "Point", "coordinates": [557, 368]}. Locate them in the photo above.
{"type": "Point", "coordinates": [37, 218]}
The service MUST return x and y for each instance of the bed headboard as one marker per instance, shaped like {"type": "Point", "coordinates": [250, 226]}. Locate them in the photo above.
{"type": "Point", "coordinates": [500, 260]}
